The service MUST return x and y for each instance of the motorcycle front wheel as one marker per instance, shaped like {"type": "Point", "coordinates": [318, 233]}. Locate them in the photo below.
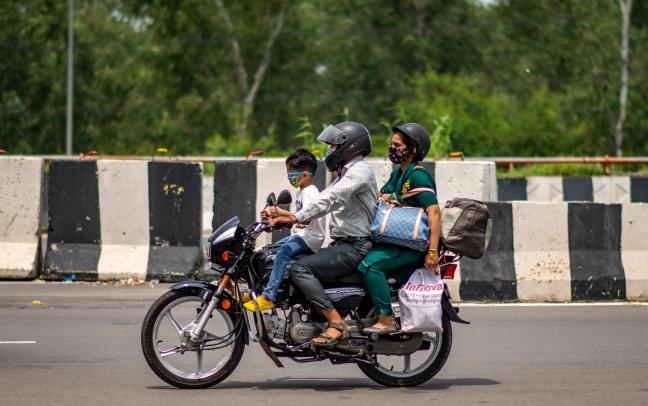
{"type": "Point", "coordinates": [206, 362]}
{"type": "Point", "coordinates": [416, 368]}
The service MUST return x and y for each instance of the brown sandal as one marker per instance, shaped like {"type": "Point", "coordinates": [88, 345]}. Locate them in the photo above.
{"type": "Point", "coordinates": [330, 340]}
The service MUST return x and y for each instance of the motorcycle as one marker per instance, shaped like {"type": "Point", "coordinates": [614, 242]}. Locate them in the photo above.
{"type": "Point", "coordinates": [194, 335]}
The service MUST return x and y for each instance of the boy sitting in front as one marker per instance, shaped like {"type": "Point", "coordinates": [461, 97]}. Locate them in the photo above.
{"type": "Point", "coordinates": [307, 238]}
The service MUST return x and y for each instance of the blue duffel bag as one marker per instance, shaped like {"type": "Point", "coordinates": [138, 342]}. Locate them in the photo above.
{"type": "Point", "coordinates": [402, 225]}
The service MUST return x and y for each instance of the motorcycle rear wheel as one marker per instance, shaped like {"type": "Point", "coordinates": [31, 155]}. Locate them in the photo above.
{"type": "Point", "coordinates": [421, 374]}
{"type": "Point", "coordinates": [160, 339]}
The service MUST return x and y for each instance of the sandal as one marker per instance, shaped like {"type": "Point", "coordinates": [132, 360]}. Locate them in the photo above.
{"type": "Point", "coordinates": [388, 329]}
{"type": "Point", "coordinates": [330, 340]}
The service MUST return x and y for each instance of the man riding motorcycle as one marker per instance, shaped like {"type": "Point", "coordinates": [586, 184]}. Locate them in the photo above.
{"type": "Point", "coordinates": [194, 335]}
{"type": "Point", "coordinates": [351, 200]}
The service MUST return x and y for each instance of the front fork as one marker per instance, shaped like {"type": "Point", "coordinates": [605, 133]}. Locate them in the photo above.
{"type": "Point", "coordinates": [194, 331]}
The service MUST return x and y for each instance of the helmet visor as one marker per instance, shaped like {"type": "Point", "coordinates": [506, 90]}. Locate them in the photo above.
{"type": "Point", "coordinates": [332, 135]}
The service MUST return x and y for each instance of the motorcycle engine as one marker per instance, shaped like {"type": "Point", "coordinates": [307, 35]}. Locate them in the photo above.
{"type": "Point", "coordinates": [293, 330]}
{"type": "Point", "coordinates": [275, 326]}
{"type": "Point", "coordinates": [303, 331]}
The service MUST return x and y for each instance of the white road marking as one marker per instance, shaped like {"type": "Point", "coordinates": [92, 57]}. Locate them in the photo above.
{"type": "Point", "coordinates": [460, 304]}
{"type": "Point", "coordinates": [17, 342]}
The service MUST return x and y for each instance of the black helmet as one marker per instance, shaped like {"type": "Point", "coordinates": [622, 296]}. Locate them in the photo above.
{"type": "Point", "coordinates": [350, 137]}
{"type": "Point", "coordinates": [418, 135]}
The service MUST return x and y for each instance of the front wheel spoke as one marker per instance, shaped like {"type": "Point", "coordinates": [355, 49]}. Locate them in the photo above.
{"type": "Point", "coordinates": [407, 363]}
{"type": "Point", "coordinates": [173, 322]}
{"type": "Point", "coordinates": [199, 359]}
{"type": "Point", "coordinates": [169, 352]}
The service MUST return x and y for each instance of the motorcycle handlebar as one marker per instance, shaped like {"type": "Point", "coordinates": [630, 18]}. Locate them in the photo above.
{"type": "Point", "coordinates": [264, 225]}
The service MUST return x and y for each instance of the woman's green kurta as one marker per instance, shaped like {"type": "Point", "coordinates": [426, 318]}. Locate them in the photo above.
{"type": "Point", "coordinates": [391, 260]}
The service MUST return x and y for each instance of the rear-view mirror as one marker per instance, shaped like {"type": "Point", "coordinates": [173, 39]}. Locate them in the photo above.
{"type": "Point", "coordinates": [284, 197]}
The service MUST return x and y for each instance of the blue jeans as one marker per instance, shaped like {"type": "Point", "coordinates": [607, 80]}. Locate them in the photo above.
{"type": "Point", "coordinates": [290, 248]}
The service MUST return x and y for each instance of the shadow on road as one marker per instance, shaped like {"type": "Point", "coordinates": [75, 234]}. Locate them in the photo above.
{"type": "Point", "coordinates": [327, 384]}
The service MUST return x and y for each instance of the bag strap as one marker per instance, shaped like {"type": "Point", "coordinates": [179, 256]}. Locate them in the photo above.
{"type": "Point", "coordinates": [416, 191]}
{"type": "Point", "coordinates": [417, 224]}
{"type": "Point", "coordinates": [384, 222]}
{"type": "Point", "coordinates": [399, 198]}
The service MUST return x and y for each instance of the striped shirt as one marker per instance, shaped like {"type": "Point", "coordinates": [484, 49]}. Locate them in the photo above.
{"type": "Point", "coordinates": [351, 200]}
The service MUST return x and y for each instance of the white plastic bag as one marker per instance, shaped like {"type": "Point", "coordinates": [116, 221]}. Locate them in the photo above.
{"type": "Point", "coordinates": [420, 302]}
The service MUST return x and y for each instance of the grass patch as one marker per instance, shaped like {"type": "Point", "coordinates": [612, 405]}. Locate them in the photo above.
{"type": "Point", "coordinates": [208, 168]}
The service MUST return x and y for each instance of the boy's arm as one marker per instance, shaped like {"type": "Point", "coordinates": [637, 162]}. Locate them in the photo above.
{"type": "Point", "coordinates": [279, 212]}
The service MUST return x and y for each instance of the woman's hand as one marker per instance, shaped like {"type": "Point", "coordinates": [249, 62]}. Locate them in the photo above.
{"type": "Point", "coordinates": [432, 260]}
{"type": "Point", "coordinates": [385, 197]}
{"type": "Point", "coordinates": [434, 222]}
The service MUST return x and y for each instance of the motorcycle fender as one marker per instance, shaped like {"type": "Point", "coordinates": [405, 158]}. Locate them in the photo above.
{"type": "Point", "coordinates": [450, 311]}
{"type": "Point", "coordinates": [207, 289]}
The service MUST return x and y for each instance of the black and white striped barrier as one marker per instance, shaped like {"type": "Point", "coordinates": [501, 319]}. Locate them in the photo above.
{"type": "Point", "coordinates": [240, 186]}
{"type": "Point", "coordinates": [597, 189]}
{"type": "Point", "coordinates": [560, 252]}
{"type": "Point", "coordinates": [122, 219]}
{"type": "Point", "coordinates": [21, 182]}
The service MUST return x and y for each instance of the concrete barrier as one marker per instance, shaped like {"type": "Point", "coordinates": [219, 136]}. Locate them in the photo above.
{"type": "Point", "coordinates": [598, 189]}
{"type": "Point", "coordinates": [73, 242]}
{"type": "Point", "coordinates": [207, 204]}
{"type": "Point", "coordinates": [544, 189]}
{"type": "Point", "coordinates": [541, 251]}
{"type": "Point", "coordinates": [639, 189]}
{"type": "Point", "coordinates": [611, 189]}
{"type": "Point", "coordinates": [382, 169]}
{"type": "Point", "coordinates": [634, 250]}
{"type": "Point", "coordinates": [122, 219]}
{"type": "Point", "coordinates": [595, 251]}
{"type": "Point", "coordinates": [174, 220]}
{"type": "Point", "coordinates": [561, 252]}
{"type": "Point", "coordinates": [235, 188]}
{"type": "Point", "coordinates": [474, 180]}
{"type": "Point", "coordinates": [492, 277]}
{"type": "Point", "coordinates": [510, 189]}
{"type": "Point", "coordinates": [578, 189]}
{"type": "Point", "coordinates": [20, 206]}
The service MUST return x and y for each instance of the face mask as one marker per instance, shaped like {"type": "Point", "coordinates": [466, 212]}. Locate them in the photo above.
{"type": "Point", "coordinates": [296, 184]}
{"type": "Point", "coordinates": [293, 178]}
{"type": "Point", "coordinates": [329, 151]}
{"type": "Point", "coordinates": [293, 181]}
{"type": "Point", "coordinates": [397, 155]}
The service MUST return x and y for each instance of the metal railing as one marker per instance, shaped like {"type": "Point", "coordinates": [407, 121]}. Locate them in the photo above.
{"type": "Point", "coordinates": [605, 161]}
{"type": "Point", "coordinates": [509, 162]}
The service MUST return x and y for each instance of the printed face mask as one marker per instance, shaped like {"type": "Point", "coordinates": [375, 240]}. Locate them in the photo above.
{"type": "Point", "coordinates": [294, 181]}
{"type": "Point", "coordinates": [397, 155]}
{"type": "Point", "coordinates": [294, 176]}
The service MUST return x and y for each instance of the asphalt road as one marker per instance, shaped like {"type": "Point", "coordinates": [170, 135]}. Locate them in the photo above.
{"type": "Point", "coordinates": [87, 352]}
